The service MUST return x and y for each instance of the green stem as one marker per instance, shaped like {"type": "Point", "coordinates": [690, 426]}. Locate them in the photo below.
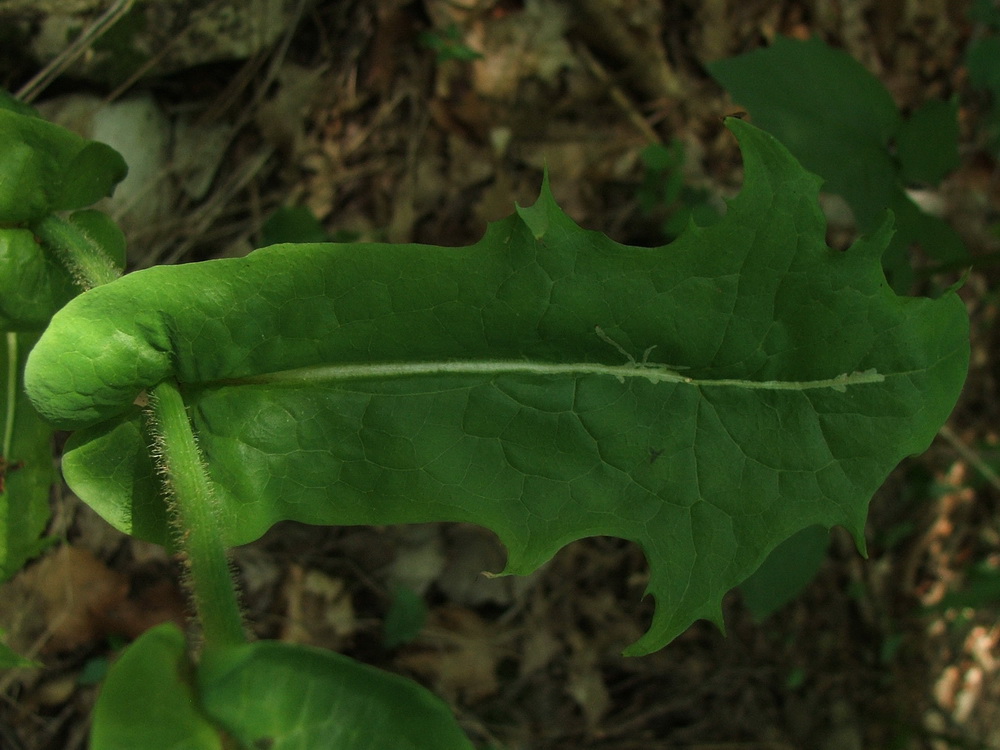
{"type": "Point", "coordinates": [86, 261]}
{"type": "Point", "coordinates": [199, 535]}
{"type": "Point", "coordinates": [12, 384]}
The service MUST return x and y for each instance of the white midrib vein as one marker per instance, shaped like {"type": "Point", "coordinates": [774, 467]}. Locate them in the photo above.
{"type": "Point", "coordinates": [652, 372]}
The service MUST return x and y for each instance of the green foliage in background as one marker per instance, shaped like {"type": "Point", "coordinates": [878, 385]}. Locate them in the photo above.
{"type": "Point", "coordinates": [789, 568]}
{"type": "Point", "coordinates": [405, 618]}
{"type": "Point", "coordinates": [11, 660]}
{"type": "Point", "coordinates": [447, 45]}
{"type": "Point", "coordinates": [841, 123]}
{"type": "Point", "coordinates": [293, 224]}
{"type": "Point", "coordinates": [44, 171]}
{"type": "Point", "coordinates": [665, 193]}
{"type": "Point", "coordinates": [982, 59]}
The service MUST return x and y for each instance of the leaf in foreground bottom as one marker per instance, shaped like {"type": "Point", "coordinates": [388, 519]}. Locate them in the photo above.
{"type": "Point", "coordinates": [289, 697]}
{"type": "Point", "coordinates": [525, 384]}
{"type": "Point", "coordinates": [148, 699]}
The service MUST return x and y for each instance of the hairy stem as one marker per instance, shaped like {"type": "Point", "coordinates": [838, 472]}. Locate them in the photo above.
{"type": "Point", "coordinates": [199, 535]}
{"type": "Point", "coordinates": [89, 265]}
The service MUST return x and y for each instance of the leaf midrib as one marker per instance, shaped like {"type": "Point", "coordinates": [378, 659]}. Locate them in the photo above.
{"type": "Point", "coordinates": [654, 373]}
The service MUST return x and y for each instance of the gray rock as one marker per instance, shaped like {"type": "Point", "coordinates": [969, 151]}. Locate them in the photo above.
{"type": "Point", "coordinates": [163, 35]}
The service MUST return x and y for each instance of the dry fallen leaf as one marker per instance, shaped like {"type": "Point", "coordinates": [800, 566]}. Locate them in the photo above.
{"type": "Point", "coordinates": [458, 652]}
{"type": "Point", "coordinates": [318, 608]}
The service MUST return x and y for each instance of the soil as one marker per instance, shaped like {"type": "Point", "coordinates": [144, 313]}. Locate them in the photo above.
{"type": "Point", "coordinates": [367, 114]}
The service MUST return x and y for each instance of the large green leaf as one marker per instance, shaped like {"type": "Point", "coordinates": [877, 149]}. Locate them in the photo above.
{"type": "Point", "coordinates": [840, 122]}
{"type": "Point", "coordinates": [513, 384]}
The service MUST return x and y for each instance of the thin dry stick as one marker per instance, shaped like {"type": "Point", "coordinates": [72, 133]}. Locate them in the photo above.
{"type": "Point", "coordinates": [974, 459]}
{"type": "Point", "coordinates": [41, 80]}
{"type": "Point", "coordinates": [620, 98]}
{"type": "Point", "coordinates": [205, 215]}
{"type": "Point", "coordinates": [152, 61]}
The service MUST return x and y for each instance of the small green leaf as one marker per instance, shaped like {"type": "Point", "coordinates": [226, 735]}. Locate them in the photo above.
{"type": "Point", "coordinates": [663, 190]}
{"type": "Point", "coordinates": [663, 158]}
{"type": "Point", "coordinates": [46, 168]}
{"type": "Point", "coordinates": [94, 671]}
{"type": "Point", "coordinates": [91, 175]}
{"type": "Point", "coordinates": [293, 224]}
{"type": "Point", "coordinates": [448, 44]}
{"type": "Point", "coordinates": [9, 659]}
{"type": "Point", "coordinates": [148, 700]}
{"type": "Point", "coordinates": [288, 697]}
{"type": "Point", "coordinates": [115, 454]}
{"type": "Point", "coordinates": [406, 617]}
{"type": "Point", "coordinates": [795, 679]}
{"type": "Point", "coordinates": [707, 399]}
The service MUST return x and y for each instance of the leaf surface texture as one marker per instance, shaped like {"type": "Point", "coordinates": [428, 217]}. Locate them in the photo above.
{"type": "Point", "coordinates": [706, 399]}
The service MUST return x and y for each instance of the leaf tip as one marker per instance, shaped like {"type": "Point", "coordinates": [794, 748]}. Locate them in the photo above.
{"type": "Point", "coordinates": [857, 532]}
{"type": "Point", "coordinates": [538, 216]}
{"type": "Point", "coordinates": [877, 241]}
{"type": "Point", "coordinates": [669, 623]}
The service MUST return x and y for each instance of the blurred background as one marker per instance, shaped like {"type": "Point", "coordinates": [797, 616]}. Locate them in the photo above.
{"type": "Point", "coordinates": [249, 122]}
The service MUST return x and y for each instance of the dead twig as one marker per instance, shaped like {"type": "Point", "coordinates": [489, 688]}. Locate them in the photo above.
{"type": "Point", "coordinates": [41, 80]}
{"type": "Point", "coordinates": [973, 458]}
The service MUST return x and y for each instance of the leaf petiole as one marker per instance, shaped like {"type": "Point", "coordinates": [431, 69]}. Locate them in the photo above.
{"type": "Point", "coordinates": [199, 534]}
{"type": "Point", "coordinates": [12, 385]}
{"type": "Point", "coordinates": [77, 251]}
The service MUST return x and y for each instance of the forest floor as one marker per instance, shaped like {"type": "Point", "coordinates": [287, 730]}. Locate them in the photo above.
{"type": "Point", "coordinates": [369, 115]}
